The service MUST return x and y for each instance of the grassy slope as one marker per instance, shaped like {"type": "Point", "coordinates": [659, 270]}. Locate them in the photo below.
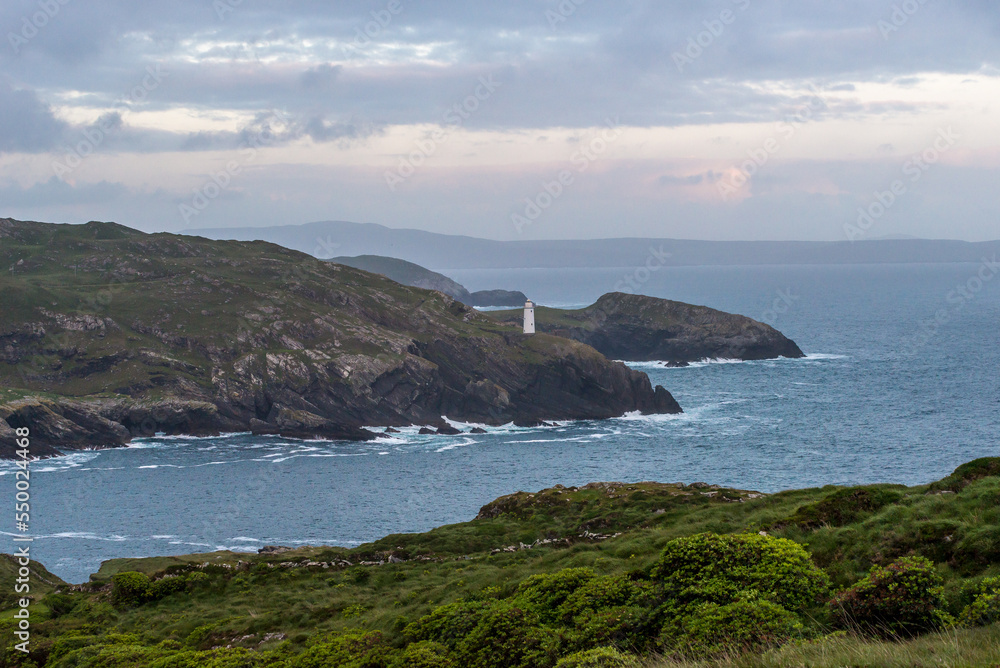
{"type": "Point", "coordinates": [184, 286]}
{"type": "Point", "coordinates": [846, 531]}
{"type": "Point", "coordinates": [405, 272]}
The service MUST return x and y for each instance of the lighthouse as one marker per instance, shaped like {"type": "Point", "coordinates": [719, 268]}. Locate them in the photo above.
{"type": "Point", "coordinates": [529, 317]}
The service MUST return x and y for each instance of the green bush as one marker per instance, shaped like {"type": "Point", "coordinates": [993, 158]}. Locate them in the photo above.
{"type": "Point", "coordinates": [718, 569]}
{"type": "Point", "coordinates": [985, 607]}
{"type": "Point", "coordinates": [448, 624]}
{"type": "Point", "coordinates": [508, 636]}
{"type": "Point", "coordinates": [166, 586]}
{"type": "Point", "coordinates": [748, 625]}
{"type": "Point", "coordinates": [59, 604]}
{"type": "Point", "coordinates": [544, 593]}
{"type": "Point", "coordinates": [601, 657]}
{"type": "Point", "coordinates": [606, 591]}
{"type": "Point", "coordinates": [624, 627]}
{"type": "Point", "coordinates": [902, 599]}
{"type": "Point", "coordinates": [129, 588]}
{"type": "Point", "coordinates": [356, 649]}
{"type": "Point", "coordinates": [425, 654]}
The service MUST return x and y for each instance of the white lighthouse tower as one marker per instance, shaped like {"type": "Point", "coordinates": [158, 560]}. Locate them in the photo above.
{"type": "Point", "coordinates": [529, 317]}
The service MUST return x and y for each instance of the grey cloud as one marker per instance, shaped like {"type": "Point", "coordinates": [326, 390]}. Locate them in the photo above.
{"type": "Point", "coordinates": [56, 192]}
{"type": "Point", "coordinates": [604, 58]}
{"type": "Point", "coordinates": [26, 123]}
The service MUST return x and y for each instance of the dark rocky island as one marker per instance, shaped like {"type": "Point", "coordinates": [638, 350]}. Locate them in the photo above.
{"type": "Point", "coordinates": [643, 329]}
{"type": "Point", "coordinates": [109, 333]}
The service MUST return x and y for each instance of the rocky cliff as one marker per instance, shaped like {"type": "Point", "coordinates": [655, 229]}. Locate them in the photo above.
{"type": "Point", "coordinates": [109, 333]}
{"type": "Point", "coordinates": [639, 328]}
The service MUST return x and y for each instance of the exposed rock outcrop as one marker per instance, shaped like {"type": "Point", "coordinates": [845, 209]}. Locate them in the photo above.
{"type": "Point", "coordinates": [642, 329]}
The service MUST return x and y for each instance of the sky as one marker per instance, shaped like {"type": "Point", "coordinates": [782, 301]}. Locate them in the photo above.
{"type": "Point", "coordinates": [513, 119]}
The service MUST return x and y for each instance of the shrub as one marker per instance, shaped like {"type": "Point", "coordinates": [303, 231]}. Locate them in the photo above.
{"type": "Point", "coordinates": [902, 599]}
{"type": "Point", "coordinates": [356, 649]}
{"type": "Point", "coordinates": [197, 578]}
{"type": "Point", "coordinates": [166, 586]}
{"type": "Point", "coordinates": [602, 657]}
{"type": "Point", "coordinates": [129, 588]}
{"type": "Point", "coordinates": [59, 604]}
{"type": "Point", "coordinates": [508, 636]}
{"type": "Point", "coordinates": [625, 627]}
{"type": "Point", "coordinates": [424, 654]}
{"type": "Point", "coordinates": [713, 568]}
{"type": "Point", "coordinates": [606, 591]}
{"type": "Point", "coordinates": [448, 624]}
{"type": "Point", "coordinates": [747, 625]}
{"type": "Point", "coordinates": [985, 607]}
{"type": "Point", "coordinates": [544, 593]}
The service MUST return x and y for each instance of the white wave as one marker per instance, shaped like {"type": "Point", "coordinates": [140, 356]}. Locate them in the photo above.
{"type": "Point", "coordinates": [162, 536]}
{"type": "Point", "coordinates": [78, 535]}
{"type": "Point", "coordinates": [637, 416]}
{"type": "Point", "coordinates": [235, 548]}
{"type": "Point", "coordinates": [244, 539]}
{"type": "Point", "coordinates": [821, 356]}
{"type": "Point", "coordinates": [452, 446]}
{"type": "Point", "coordinates": [53, 464]}
{"type": "Point", "coordinates": [318, 542]}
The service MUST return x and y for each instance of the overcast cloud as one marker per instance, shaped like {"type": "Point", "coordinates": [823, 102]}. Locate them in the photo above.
{"type": "Point", "coordinates": [735, 119]}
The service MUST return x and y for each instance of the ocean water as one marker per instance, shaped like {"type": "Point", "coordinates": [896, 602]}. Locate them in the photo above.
{"type": "Point", "coordinates": [887, 393]}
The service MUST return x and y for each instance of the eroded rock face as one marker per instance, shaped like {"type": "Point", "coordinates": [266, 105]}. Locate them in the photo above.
{"type": "Point", "coordinates": [644, 329]}
{"type": "Point", "coordinates": [199, 337]}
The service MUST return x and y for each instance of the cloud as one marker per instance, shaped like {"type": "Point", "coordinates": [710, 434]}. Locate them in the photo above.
{"type": "Point", "coordinates": [26, 123]}
{"type": "Point", "coordinates": [54, 193]}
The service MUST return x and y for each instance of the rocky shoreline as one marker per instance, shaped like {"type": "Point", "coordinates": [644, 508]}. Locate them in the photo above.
{"type": "Point", "coordinates": [111, 334]}
{"type": "Point", "coordinates": [638, 328]}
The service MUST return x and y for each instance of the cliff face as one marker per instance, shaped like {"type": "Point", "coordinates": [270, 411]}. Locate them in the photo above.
{"type": "Point", "coordinates": [639, 328]}
{"type": "Point", "coordinates": [109, 333]}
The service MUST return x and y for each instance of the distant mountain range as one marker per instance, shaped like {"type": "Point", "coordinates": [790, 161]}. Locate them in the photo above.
{"type": "Point", "coordinates": [441, 252]}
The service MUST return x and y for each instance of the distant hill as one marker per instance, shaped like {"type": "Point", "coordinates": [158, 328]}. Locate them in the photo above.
{"type": "Point", "coordinates": [407, 273]}
{"type": "Point", "coordinates": [416, 276]}
{"type": "Point", "coordinates": [441, 252]}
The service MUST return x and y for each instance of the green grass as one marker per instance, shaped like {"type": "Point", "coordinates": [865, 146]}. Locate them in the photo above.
{"type": "Point", "coordinates": [955, 647]}
{"type": "Point", "coordinates": [240, 604]}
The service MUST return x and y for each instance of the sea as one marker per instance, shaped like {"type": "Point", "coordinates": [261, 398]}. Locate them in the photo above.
{"type": "Point", "coordinates": [900, 384]}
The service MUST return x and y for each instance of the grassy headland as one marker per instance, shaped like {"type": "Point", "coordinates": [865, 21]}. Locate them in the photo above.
{"type": "Point", "coordinates": [609, 574]}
